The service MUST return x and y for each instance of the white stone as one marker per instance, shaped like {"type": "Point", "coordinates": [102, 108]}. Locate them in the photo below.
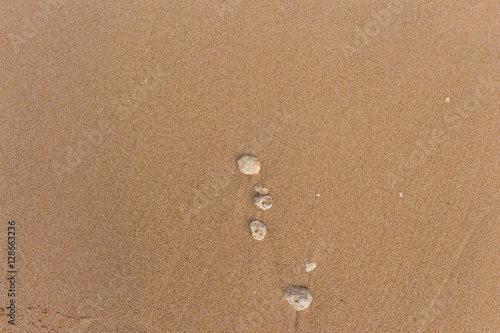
{"type": "Point", "coordinates": [264, 202]}
{"type": "Point", "coordinates": [310, 266]}
{"type": "Point", "coordinates": [258, 229]}
{"type": "Point", "coordinates": [299, 297]}
{"type": "Point", "coordinates": [249, 165]}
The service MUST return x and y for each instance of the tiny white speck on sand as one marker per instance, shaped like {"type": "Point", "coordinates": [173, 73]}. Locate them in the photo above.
{"type": "Point", "coordinates": [310, 266]}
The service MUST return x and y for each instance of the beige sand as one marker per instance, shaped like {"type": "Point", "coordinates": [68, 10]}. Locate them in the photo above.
{"type": "Point", "coordinates": [376, 125]}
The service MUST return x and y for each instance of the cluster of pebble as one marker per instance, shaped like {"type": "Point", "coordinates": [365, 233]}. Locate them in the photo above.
{"type": "Point", "coordinates": [299, 297]}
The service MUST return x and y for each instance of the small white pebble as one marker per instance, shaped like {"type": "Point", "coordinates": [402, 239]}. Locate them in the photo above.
{"type": "Point", "coordinates": [447, 100]}
{"type": "Point", "coordinates": [249, 165]}
{"type": "Point", "coordinates": [400, 194]}
{"type": "Point", "coordinates": [317, 194]}
{"type": "Point", "coordinates": [264, 202]}
{"type": "Point", "coordinates": [258, 229]}
{"type": "Point", "coordinates": [261, 190]}
{"type": "Point", "coordinates": [299, 297]}
{"type": "Point", "coordinates": [310, 266]}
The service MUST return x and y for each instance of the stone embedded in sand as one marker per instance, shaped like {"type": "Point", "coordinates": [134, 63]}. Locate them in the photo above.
{"type": "Point", "coordinates": [310, 266]}
{"type": "Point", "coordinates": [264, 202]}
{"type": "Point", "coordinates": [258, 229]}
{"type": "Point", "coordinates": [299, 297]}
{"type": "Point", "coordinates": [249, 165]}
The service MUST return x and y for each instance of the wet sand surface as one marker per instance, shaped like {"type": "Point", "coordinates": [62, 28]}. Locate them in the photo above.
{"type": "Point", "coordinates": [376, 126]}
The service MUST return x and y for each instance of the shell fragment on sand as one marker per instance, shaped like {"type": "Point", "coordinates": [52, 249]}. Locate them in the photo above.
{"type": "Point", "coordinates": [310, 266]}
{"type": "Point", "coordinates": [249, 165]}
{"type": "Point", "coordinates": [258, 229]}
{"type": "Point", "coordinates": [264, 202]}
{"type": "Point", "coordinates": [298, 297]}
{"type": "Point", "coordinates": [261, 190]}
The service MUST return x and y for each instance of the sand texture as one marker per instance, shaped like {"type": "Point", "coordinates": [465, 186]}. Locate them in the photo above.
{"type": "Point", "coordinates": [376, 125]}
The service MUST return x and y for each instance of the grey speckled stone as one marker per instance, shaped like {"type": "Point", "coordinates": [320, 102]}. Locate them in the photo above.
{"type": "Point", "coordinates": [299, 297]}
